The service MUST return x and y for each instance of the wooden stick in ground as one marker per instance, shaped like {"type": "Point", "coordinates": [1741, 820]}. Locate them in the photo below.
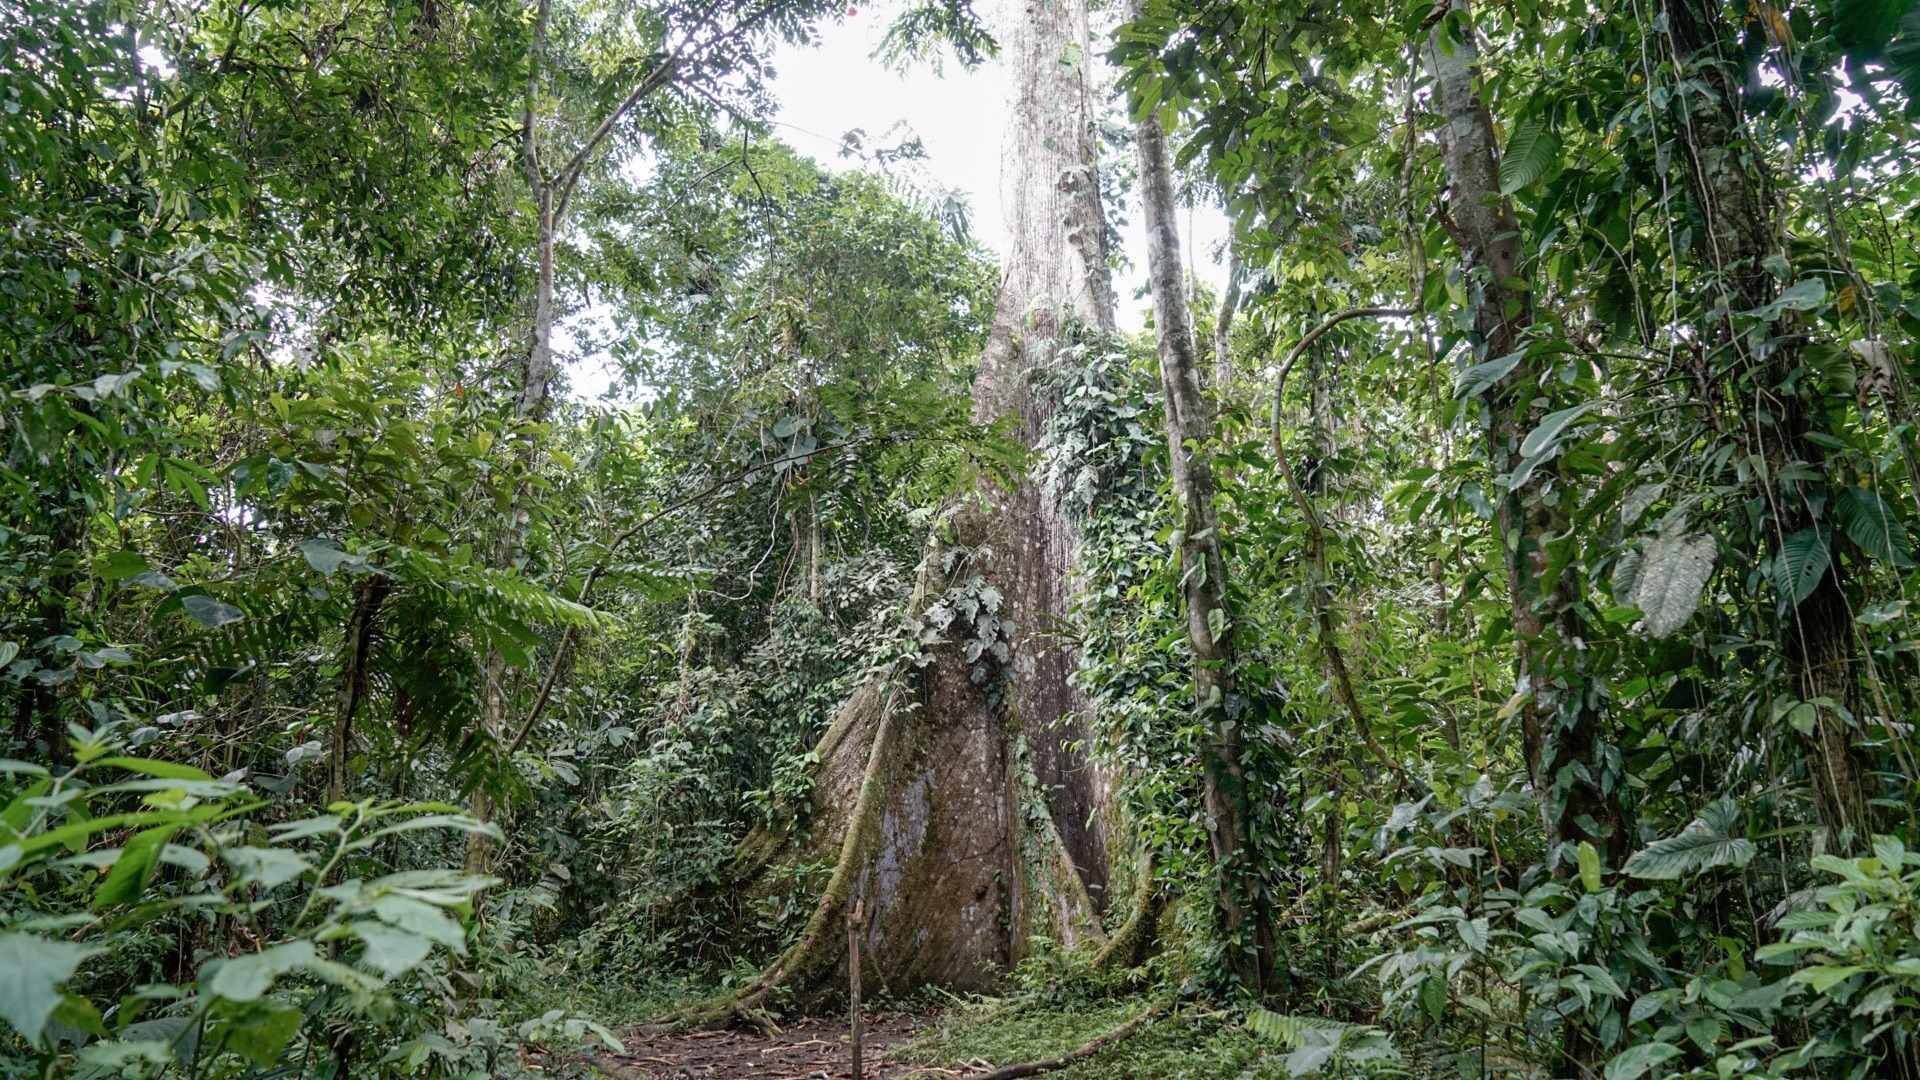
{"type": "Point", "coordinates": [854, 921]}
{"type": "Point", "coordinates": [1034, 1068]}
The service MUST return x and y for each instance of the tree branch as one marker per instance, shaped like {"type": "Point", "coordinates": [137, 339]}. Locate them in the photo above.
{"type": "Point", "coordinates": [1338, 675]}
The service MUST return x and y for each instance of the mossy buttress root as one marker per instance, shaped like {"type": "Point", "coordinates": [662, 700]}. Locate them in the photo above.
{"type": "Point", "coordinates": [1135, 938]}
{"type": "Point", "coordinates": [813, 955]}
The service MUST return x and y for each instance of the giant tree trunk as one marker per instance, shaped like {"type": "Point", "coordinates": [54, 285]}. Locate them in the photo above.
{"type": "Point", "coordinates": [953, 800]}
{"type": "Point", "coordinates": [1557, 720]}
{"type": "Point", "coordinates": [1238, 904]}
{"type": "Point", "coordinates": [1056, 285]}
{"type": "Point", "coordinates": [1730, 185]}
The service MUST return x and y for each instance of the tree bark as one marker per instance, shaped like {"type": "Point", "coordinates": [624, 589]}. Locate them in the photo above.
{"type": "Point", "coordinates": [964, 812]}
{"type": "Point", "coordinates": [1239, 900]}
{"type": "Point", "coordinates": [1223, 329]}
{"type": "Point", "coordinates": [1056, 285]}
{"type": "Point", "coordinates": [1557, 720]}
{"type": "Point", "coordinates": [1731, 185]}
{"type": "Point", "coordinates": [369, 595]}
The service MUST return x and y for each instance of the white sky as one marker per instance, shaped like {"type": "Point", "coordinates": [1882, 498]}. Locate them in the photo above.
{"type": "Point", "coordinates": [827, 91]}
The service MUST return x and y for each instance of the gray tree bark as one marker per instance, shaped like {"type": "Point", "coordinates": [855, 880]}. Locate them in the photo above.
{"type": "Point", "coordinates": [1559, 735]}
{"type": "Point", "coordinates": [1056, 284]}
{"type": "Point", "coordinates": [1238, 900]}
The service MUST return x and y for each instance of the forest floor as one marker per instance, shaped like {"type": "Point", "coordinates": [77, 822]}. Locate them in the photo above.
{"type": "Point", "coordinates": [814, 1049]}
{"type": "Point", "coordinates": [956, 1042]}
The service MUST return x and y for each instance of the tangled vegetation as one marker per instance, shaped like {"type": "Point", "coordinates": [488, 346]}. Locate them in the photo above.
{"type": "Point", "coordinates": [1489, 626]}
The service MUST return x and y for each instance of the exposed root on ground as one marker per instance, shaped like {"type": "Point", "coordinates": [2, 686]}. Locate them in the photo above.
{"type": "Point", "coordinates": [1034, 1068]}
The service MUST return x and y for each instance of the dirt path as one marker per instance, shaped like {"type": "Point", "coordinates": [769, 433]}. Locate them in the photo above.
{"type": "Point", "coordinates": [807, 1050]}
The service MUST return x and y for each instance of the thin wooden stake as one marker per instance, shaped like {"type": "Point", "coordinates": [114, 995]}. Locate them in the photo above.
{"type": "Point", "coordinates": [854, 922]}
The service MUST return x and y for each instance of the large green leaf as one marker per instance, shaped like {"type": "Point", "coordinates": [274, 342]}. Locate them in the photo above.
{"type": "Point", "coordinates": [1704, 844]}
{"type": "Point", "coordinates": [1633, 1062]}
{"type": "Point", "coordinates": [134, 868]}
{"type": "Point", "coordinates": [1530, 153]}
{"type": "Point", "coordinates": [261, 1030]}
{"type": "Point", "coordinates": [1480, 377]}
{"type": "Point", "coordinates": [1551, 427]}
{"type": "Point", "coordinates": [209, 612]}
{"type": "Point", "coordinates": [165, 770]}
{"type": "Point", "coordinates": [1903, 59]}
{"type": "Point", "coordinates": [1863, 27]}
{"type": "Point", "coordinates": [1671, 576]}
{"type": "Point", "coordinates": [1870, 523]}
{"type": "Point", "coordinates": [249, 975]}
{"type": "Point", "coordinates": [1800, 564]}
{"type": "Point", "coordinates": [31, 971]}
{"type": "Point", "coordinates": [391, 950]}
{"type": "Point", "coordinates": [265, 868]}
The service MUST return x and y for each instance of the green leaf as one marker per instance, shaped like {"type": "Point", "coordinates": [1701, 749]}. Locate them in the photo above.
{"type": "Point", "coordinates": [261, 1030]}
{"type": "Point", "coordinates": [1863, 27]}
{"type": "Point", "coordinates": [249, 975]}
{"type": "Point", "coordinates": [165, 770]}
{"type": "Point", "coordinates": [31, 971]}
{"type": "Point", "coordinates": [1801, 296]}
{"type": "Point", "coordinates": [1530, 153]}
{"type": "Point", "coordinates": [391, 950]}
{"type": "Point", "coordinates": [1480, 377]}
{"type": "Point", "coordinates": [1705, 1031]}
{"type": "Point", "coordinates": [1826, 976]}
{"type": "Point", "coordinates": [1602, 979]}
{"type": "Point", "coordinates": [1870, 523]}
{"type": "Point", "coordinates": [1589, 858]}
{"type": "Point", "coordinates": [1704, 844]}
{"type": "Point", "coordinates": [122, 564]}
{"type": "Point", "coordinates": [1671, 576]}
{"type": "Point", "coordinates": [423, 919]}
{"type": "Point", "coordinates": [1801, 563]}
{"type": "Point", "coordinates": [1903, 58]}
{"type": "Point", "coordinates": [1550, 429]}
{"type": "Point", "coordinates": [323, 555]}
{"type": "Point", "coordinates": [134, 868]}
{"type": "Point", "coordinates": [1634, 1062]}
{"type": "Point", "coordinates": [265, 868]}
{"type": "Point", "coordinates": [209, 612]}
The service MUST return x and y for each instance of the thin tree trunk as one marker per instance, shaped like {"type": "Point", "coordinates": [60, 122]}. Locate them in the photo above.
{"type": "Point", "coordinates": [1239, 899]}
{"type": "Point", "coordinates": [1557, 720]}
{"type": "Point", "coordinates": [369, 594]}
{"type": "Point", "coordinates": [534, 384]}
{"type": "Point", "coordinates": [39, 703]}
{"type": "Point", "coordinates": [1731, 185]}
{"type": "Point", "coordinates": [1223, 331]}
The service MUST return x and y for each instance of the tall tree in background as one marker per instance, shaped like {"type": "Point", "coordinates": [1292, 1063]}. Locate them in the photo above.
{"type": "Point", "coordinates": [955, 802]}
{"type": "Point", "coordinates": [1762, 358]}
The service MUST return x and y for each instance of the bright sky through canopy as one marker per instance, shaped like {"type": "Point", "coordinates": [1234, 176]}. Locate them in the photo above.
{"type": "Point", "coordinates": [838, 87]}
